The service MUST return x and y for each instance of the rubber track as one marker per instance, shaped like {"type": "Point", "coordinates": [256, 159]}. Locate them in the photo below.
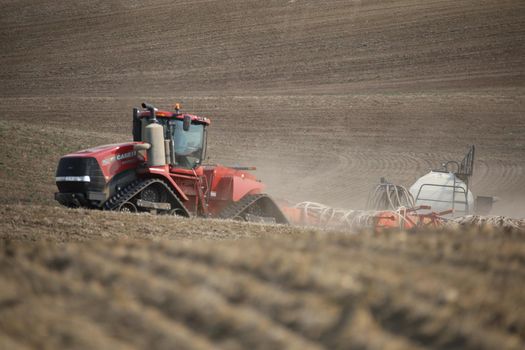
{"type": "Point", "coordinates": [236, 208]}
{"type": "Point", "coordinates": [133, 189]}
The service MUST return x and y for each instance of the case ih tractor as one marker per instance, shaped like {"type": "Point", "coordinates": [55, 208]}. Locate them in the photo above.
{"type": "Point", "coordinates": [161, 171]}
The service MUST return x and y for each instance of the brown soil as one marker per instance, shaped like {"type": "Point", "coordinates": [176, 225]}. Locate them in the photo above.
{"type": "Point", "coordinates": [153, 282]}
{"type": "Point", "coordinates": [324, 98]}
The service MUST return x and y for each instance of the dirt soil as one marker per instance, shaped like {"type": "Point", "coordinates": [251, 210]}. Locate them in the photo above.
{"type": "Point", "coordinates": [324, 98]}
{"type": "Point", "coordinates": [87, 279]}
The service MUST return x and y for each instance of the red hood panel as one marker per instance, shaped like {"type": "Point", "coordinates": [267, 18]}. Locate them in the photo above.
{"type": "Point", "coordinates": [113, 159]}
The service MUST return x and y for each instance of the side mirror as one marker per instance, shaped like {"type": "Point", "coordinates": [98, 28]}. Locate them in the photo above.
{"type": "Point", "coordinates": [186, 123]}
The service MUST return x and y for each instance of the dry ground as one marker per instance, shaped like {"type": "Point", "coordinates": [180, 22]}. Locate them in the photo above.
{"type": "Point", "coordinates": [324, 98]}
{"type": "Point", "coordinates": [85, 279]}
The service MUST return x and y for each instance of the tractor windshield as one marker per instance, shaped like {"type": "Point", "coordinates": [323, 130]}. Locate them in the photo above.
{"type": "Point", "coordinates": [188, 145]}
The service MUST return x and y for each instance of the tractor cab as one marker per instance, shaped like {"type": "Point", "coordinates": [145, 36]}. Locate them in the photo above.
{"type": "Point", "coordinates": [187, 146]}
{"type": "Point", "coordinates": [183, 137]}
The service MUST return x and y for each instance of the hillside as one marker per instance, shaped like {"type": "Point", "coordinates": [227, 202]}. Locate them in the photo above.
{"type": "Point", "coordinates": [338, 93]}
{"type": "Point", "coordinates": [324, 98]}
{"type": "Point", "coordinates": [168, 48]}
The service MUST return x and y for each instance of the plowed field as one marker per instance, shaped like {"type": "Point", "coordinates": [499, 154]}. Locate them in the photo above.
{"type": "Point", "coordinates": [324, 97]}
{"type": "Point", "coordinates": [167, 286]}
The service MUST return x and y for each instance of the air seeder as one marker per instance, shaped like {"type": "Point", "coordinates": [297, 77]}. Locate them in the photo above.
{"type": "Point", "coordinates": [434, 199]}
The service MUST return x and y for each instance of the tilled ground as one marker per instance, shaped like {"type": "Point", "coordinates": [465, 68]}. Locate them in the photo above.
{"type": "Point", "coordinates": [271, 287]}
{"type": "Point", "coordinates": [324, 98]}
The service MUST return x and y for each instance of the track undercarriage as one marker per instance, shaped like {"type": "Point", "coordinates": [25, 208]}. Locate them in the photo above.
{"type": "Point", "coordinates": [155, 195]}
{"type": "Point", "coordinates": [255, 208]}
{"type": "Point", "coordinates": [147, 195]}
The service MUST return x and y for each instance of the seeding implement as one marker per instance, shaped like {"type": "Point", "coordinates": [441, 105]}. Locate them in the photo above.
{"type": "Point", "coordinates": [436, 198]}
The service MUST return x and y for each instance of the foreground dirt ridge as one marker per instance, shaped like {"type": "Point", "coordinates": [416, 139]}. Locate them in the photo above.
{"type": "Point", "coordinates": [235, 285]}
{"type": "Point", "coordinates": [338, 292]}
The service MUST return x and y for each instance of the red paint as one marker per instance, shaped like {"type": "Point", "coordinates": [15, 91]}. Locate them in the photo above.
{"type": "Point", "coordinates": [113, 159]}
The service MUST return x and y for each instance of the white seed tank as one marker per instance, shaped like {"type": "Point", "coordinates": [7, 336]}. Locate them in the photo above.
{"type": "Point", "coordinates": [443, 191]}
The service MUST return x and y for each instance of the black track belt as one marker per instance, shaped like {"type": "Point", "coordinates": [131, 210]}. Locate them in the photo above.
{"type": "Point", "coordinates": [235, 209]}
{"type": "Point", "coordinates": [134, 188]}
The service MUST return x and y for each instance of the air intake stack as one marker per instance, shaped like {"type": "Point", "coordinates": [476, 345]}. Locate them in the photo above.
{"type": "Point", "coordinates": [154, 135]}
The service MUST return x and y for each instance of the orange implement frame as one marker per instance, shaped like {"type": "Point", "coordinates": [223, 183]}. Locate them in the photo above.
{"type": "Point", "coordinates": [408, 218]}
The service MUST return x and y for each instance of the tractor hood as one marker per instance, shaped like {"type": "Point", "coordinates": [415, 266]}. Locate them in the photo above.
{"type": "Point", "coordinates": [112, 159]}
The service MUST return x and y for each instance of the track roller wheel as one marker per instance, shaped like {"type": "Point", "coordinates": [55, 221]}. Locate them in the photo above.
{"type": "Point", "coordinates": [128, 207]}
{"type": "Point", "coordinates": [151, 194]}
{"type": "Point", "coordinates": [176, 212]}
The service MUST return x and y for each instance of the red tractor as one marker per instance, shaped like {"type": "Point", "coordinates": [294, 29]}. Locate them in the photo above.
{"type": "Point", "coordinates": [161, 171]}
